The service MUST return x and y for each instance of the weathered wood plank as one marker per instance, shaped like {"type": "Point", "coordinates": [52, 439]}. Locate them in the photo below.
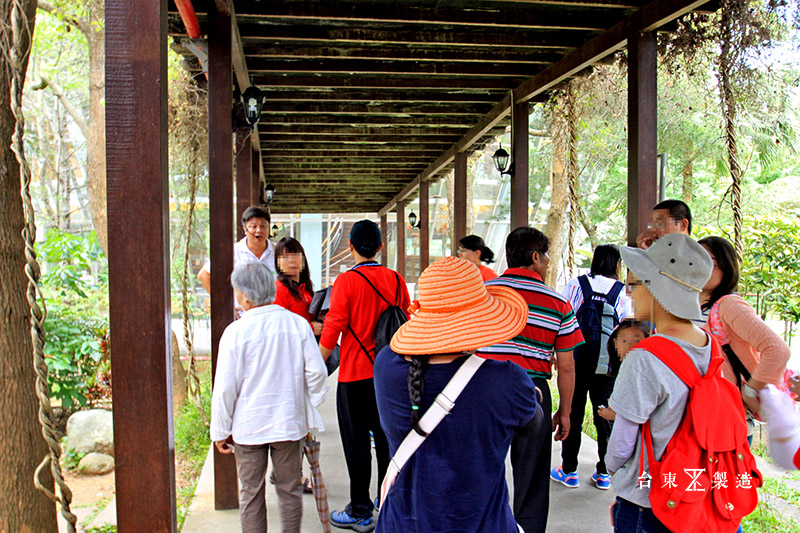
{"type": "Point", "coordinates": [345, 130]}
{"type": "Point", "coordinates": [459, 200]}
{"type": "Point", "coordinates": [519, 158]}
{"type": "Point", "coordinates": [138, 263]}
{"type": "Point", "coordinates": [363, 81]}
{"type": "Point", "coordinates": [220, 167]}
{"type": "Point", "coordinates": [391, 108]}
{"type": "Point", "coordinates": [259, 65]}
{"type": "Point", "coordinates": [536, 16]}
{"type": "Point", "coordinates": [642, 132]}
{"type": "Point", "coordinates": [453, 121]}
{"type": "Point", "coordinates": [324, 94]}
{"type": "Point", "coordinates": [403, 53]}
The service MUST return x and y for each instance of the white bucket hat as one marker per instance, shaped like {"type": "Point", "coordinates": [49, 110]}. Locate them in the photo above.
{"type": "Point", "coordinates": [674, 269]}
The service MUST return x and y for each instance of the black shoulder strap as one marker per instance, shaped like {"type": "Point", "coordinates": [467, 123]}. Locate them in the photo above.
{"type": "Point", "coordinates": [366, 352]}
{"type": "Point", "coordinates": [373, 286]}
{"type": "Point", "coordinates": [613, 294]}
{"type": "Point", "coordinates": [586, 288]}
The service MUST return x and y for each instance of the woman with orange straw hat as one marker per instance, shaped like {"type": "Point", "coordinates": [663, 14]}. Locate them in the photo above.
{"type": "Point", "coordinates": [455, 480]}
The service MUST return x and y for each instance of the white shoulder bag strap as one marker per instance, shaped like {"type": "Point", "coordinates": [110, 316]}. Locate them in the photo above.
{"type": "Point", "coordinates": [440, 408]}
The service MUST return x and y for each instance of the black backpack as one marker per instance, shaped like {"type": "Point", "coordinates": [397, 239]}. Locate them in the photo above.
{"type": "Point", "coordinates": [597, 318]}
{"type": "Point", "coordinates": [389, 321]}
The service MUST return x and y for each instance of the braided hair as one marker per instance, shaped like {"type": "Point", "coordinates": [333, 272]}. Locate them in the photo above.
{"type": "Point", "coordinates": [416, 384]}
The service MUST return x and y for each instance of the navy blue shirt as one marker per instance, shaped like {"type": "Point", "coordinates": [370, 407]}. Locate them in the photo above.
{"type": "Point", "coordinates": [455, 482]}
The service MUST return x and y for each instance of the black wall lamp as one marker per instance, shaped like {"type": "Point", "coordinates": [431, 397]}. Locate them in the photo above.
{"type": "Point", "coordinates": [253, 102]}
{"type": "Point", "coordinates": [269, 193]}
{"type": "Point", "coordinates": [412, 219]}
{"type": "Point", "coordinates": [502, 162]}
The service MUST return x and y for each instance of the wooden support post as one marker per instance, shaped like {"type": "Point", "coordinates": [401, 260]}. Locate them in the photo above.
{"type": "Point", "coordinates": [255, 176]}
{"type": "Point", "coordinates": [401, 239]}
{"type": "Point", "coordinates": [424, 226]}
{"type": "Point", "coordinates": [642, 133]}
{"type": "Point", "coordinates": [519, 157]}
{"type": "Point", "coordinates": [220, 170]}
{"type": "Point", "coordinates": [244, 185]}
{"type": "Point", "coordinates": [138, 264]}
{"type": "Point", "coordinates": [385, 235]}
{"type": "Point", "coordinates": [459, 200]}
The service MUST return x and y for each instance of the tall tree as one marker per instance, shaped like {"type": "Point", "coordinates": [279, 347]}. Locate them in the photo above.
{"type": "Point", "coordinates": [559, 189]}
{"type": "Point", "coordinates": [88, 18]}
{"type": "Point", "coordinates": [23, 508]}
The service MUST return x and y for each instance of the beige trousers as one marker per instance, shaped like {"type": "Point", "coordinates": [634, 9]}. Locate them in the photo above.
{"type": "Point", "coordinates": [251, 466]}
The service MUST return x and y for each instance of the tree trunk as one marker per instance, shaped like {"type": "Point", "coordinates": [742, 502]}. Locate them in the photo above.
{"type": "Point", "coordinates": [22, 508]}
{"type": "Point", "coordinates": [559, 195]}
{"type": "Point", "coordinates": [180, 385]}
{"type": "Point", "coordinates": [687, 191]}
{"type": "Point", "coordinates": [96, 141]}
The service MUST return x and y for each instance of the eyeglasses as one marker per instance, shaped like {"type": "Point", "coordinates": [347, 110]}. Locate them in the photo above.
{"type": "Point", "coordinates": [254, 227]}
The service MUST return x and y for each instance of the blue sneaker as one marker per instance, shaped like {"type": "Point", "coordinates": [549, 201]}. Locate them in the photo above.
{"type": "Point", "coordinates": [343, 520]}
{"type": "Point", "coordinates": [377, 503]}
{"type": "Point", "coordinates": [601, 481]}
{"type": "Point", "coordinates": [568, 480]}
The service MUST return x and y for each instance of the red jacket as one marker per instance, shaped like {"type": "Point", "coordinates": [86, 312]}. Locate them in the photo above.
{"type": "Point", "coordinates": [285, 299]}
{"type": "Point", "coordinates": [354, 303]}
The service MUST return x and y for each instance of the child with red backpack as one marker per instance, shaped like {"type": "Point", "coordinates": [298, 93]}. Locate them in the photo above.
{"type": "Point", "coordinates": [678, 451]}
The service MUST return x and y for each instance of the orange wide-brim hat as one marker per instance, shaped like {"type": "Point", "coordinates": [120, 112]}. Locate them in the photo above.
{"type": "Point", "coordinates": [456, 312]}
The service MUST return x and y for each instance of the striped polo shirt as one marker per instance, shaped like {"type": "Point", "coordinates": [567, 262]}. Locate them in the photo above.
{"type": "Point", "coordinates": [551, 325]}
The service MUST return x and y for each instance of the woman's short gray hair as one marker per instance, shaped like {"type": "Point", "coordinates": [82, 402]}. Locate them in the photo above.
{"type": "Point", "coordinates": [255, 281]}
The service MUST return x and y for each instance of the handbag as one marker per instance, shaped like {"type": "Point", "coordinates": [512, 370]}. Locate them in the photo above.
{"type": "Point", "coordinates": [441, 407]}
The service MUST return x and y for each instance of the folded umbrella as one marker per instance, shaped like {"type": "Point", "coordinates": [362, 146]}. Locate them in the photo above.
{"type": "Point", "coordinates": [311, 449]}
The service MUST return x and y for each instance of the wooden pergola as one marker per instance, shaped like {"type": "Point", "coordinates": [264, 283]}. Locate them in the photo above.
{"type": "Point", "coordinates": [366, 103]}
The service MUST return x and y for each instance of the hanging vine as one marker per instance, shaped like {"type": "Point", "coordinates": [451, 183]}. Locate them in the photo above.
{"type": "Point", "coordinates": [18, 52]}
{"type": "Point", "coordinates": [188, 108]}
{"type": "Point", "coordinates": [572, 174]}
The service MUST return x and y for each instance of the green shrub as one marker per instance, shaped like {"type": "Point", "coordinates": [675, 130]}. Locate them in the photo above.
{"type": "Point", "coordinates": [76, 329]}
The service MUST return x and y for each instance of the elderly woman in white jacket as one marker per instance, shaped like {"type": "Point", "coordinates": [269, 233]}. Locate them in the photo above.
{"type": "Point", "coordinates": [269, 380]}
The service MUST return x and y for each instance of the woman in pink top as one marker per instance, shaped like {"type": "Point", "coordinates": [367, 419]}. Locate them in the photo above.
{"type": "Point", "coordinates": [473, 249]}
{"type": "Point", "coordinates": [755, 354]}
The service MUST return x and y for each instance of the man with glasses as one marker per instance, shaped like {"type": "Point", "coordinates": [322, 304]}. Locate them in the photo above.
{"type": "Point", "coordinates": [669, 216]}
{"type": "Point", "coordinates": [254, 246]}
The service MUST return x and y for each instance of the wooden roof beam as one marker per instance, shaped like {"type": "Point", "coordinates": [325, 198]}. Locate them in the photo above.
{"type": "Point", "coordinates": [337, 108]}
{"type": "Point", "coordinates": [325, 94]}
{"type": "Point", "coordinates": [550, 39]}
{"type": "Point", "coordinates": [441, 121]}
{"type": "Point", "coordinates": [342, 130]}
{"type": "Point", "coordinates": [649, 18]}
{"type": "Point", "coordinates": [537, 16]}
{"type": "Point", "coordinates": [368, 66]}
{"type": "Point", "coordinates": [385, 82]}
{"type": "Point", "coordinates": [402, 53]}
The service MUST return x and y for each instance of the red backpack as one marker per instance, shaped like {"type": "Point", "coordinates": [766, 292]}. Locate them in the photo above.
{"type": "Point", "coordinates": [707, 478]}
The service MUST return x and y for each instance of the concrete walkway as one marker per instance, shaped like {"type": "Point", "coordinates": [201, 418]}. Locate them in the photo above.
{"type": "Point", "coordinates": [579, 510]}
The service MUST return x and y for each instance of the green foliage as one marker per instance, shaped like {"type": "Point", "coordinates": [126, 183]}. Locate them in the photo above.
{"type": "Point", "coordinates": [771, 264]}
{"type": "Point", "coordinates": [191, 444]}
{"type": "Point", "coordinates": [70, 459]}
{"type": "Point", "coordinates": [765, 519]}
{"type": "Point", "coordinates": [76, 344]}
{"type": "Point", "coordinates": [105, 528]}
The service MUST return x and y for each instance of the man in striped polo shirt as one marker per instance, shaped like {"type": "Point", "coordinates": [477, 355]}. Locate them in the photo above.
{"type": "Point", "coordinates": [552, 328]}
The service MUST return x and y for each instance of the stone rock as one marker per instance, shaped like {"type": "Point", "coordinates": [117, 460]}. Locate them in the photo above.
{"type": "Point", "coordinates": [91, 431]}
{"type": "Point", "coordinates": [94, 464]}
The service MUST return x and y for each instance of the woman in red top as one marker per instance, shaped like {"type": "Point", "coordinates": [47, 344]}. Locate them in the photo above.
{"type": "Point", "coordinates": [473, 249]}
{"type": "Point", "coordinates": [294, 290]}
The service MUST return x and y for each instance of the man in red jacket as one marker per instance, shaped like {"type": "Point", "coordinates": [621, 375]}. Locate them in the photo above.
{"type": "Point", "coordinates": [354, 312]}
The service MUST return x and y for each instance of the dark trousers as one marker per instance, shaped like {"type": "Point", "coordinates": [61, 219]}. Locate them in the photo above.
{"type": "Point", "coordinates": [357, 412]}
{"type": "Point", "coordinates": [530, 462]}
{"type": "Point", "coordinates": [599, 388]}
{"type": "Point", "coordinates": [631, 518]}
